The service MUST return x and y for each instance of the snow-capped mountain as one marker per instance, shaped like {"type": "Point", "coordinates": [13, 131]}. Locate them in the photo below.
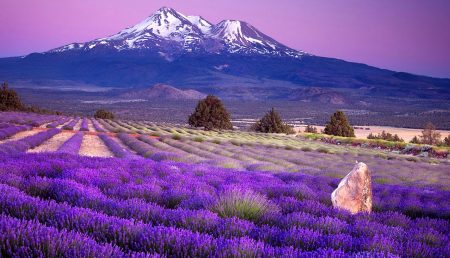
{"type": "Point", "coordinates": [168, 31]}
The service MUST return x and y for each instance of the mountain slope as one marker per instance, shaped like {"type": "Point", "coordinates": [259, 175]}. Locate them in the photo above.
{"type": "Point", "coordinates": [164, 92]}
{"type": "Point", "coordinates": [231, 59]}
{"type": "Point", "coordinates": [169, 31]}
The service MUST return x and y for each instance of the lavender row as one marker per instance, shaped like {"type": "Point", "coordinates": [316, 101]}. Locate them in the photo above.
{"type": "Point", "coordinates": [115, 147]}
{"type": "Point", "coordinates": [71, 124]}
{"type": "Point", "coordinates": [28, 142]}
{"type": "Point", "coordinates": [61, 120]}
{"type": "Point", "coordinates": [10, 130]}
{"type": "Point", "coordinates": [320, 232]}
{"type": "Point", "coordinates": [30, 119]}
{"type": "Point", "coordinates": [84, 125]}
{"type": "Point", "coordinates": [72, 145]}
{"type": "Point", "coordinates": [97, 126]}
{"type": "Point", "coordinates": [140, 147]}
{"type": "Point", "coordinates": [294, 213]}
{"type": "Point", "coordinates": [24, 238]}
{"type": "Point", "coordinates": [139, 237]}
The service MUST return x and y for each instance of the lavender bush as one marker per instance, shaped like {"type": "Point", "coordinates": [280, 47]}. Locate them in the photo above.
{"type": "Point", "coordinates": [10, 130]}
{"type": "Point", "coordinates": [84, 125]}
{"type": "Point", "coordinates": [71, 124]}
{"type": "Point", "coordinates": [72, 145]}
{"type": "Point", "coordinates": [28, 142]}
{"type": "Point", "coordinates": [97, 126]}
{"type": "Point", "coordinates": [176, 209]}
{"type": "Point", "coordinates": [61, 120]}
{"type": "Point", "coordinates": [115, 148]}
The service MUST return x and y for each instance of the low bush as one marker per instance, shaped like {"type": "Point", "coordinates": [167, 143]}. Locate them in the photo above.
{"type": "Point", "coordinates": [323, 150]}
{"type": "Point", "coordinates": [243, 204]}
{"type": "Point", "coordinates": [198, 139]}
{"type": "Point", "coordinates": [104, 114]}
{"type": "Point", "coordinates": [385, 136]}
{"type": "Point", "coordinates": [306, 148]}
{"type": "Point", "coordinates": [176, 137]}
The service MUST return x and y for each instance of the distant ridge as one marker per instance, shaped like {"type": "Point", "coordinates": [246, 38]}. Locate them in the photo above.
{"type": "Point", "coordinates": [164, 92]}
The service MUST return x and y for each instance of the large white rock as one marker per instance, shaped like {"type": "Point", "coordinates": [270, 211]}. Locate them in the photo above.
{"type": "Point", "coordinates": [354, 192]}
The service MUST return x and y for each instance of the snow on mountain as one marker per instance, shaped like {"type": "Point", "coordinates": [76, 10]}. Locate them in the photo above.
{"type": "Point", "coordinates": [170, 31]}
{"type": "Point", "coordinates": [201, 23]}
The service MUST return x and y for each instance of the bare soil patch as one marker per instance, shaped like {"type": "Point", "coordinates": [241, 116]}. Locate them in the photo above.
{"type": "Point", "coordinates": [93, 146]}
{"type": "Point", "coordinates": [20, 135]}
{"type": "Point", "coordinates": [53, 143]}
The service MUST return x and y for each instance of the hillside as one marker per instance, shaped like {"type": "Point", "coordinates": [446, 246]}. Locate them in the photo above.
{"type": "Point", "coordinates": [163, 92]}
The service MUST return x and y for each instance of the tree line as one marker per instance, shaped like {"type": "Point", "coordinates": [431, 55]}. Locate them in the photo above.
{"type": "Point", "coordinates": [211, 114]}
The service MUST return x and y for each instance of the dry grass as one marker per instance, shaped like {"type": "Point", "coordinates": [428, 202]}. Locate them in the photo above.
{"type": "Point", "coordinates": [405, 133]}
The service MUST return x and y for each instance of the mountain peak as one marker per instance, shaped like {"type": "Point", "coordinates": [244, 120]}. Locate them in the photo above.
{"type": "Point", "coordinates": [168, 30]}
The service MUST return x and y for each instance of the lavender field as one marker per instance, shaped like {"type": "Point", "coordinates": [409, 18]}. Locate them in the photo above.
{"type": "Point", "coordinates": [99, 188]}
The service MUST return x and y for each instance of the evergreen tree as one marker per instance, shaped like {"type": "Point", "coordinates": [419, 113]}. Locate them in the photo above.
{"type": "Point", "coordinates": [310, 129]}
{"type": "Point", "coordinates": [210, 113]}
{"type": "Point", "coordinates": [9, 100]}
{"type": "Point", "coordinates": [104, 114]}
{"type": "Point", "coordinates": [339, 125]}
{"type": "Point", "coordinates": [430, 135]}
{"type": "Point", "coordinates": [447, 141]}
{"type": "Point", "coordinates": [415, 140]}
{"type": "Point", "coordinates": [272, 123]}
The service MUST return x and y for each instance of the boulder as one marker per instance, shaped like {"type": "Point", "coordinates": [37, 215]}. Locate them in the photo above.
{"type": "Point", "coordinates": [354, 192]}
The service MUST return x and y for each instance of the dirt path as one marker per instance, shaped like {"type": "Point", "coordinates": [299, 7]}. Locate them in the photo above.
{"type": "Point", "coordinates": [78, 125]}
{"type": "Point", "coordinates": [53, 143]}
{"type": "Point", "coordinates": [20, 135]}
{"type": "Point", "coordinates": [93, 146]}
{"type": "Point", "coordinates": [91, 126]}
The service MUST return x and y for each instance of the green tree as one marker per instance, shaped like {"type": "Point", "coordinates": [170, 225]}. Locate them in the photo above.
{"type": "Point", "coordinates": [385, 136]}
{"type": "Point", "coordinates": [9, 100]}
{"type": "Point", "coordinates": [272, 123]}
{"type": "Point", "coordinates": [446, 141]}
{"type": "Point", "coordinates": [210, 113]}
{"type": "Point", "coordinates": [339, 125]}
{"type": "Point", "coordinates": [415, 140]}
{"type": "Point", "coordinates": [104, 114]}
{"type": "Point", "coordinates": [430, 135]}
{"type": "Point", "coordinates": [310, 129]}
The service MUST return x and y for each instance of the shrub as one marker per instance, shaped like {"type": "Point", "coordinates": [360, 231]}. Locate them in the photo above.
{"type": "Point", "coordinates": [216, 141]}
{"type": "Point", "coordinates": [310, 129]}
{"type": "Point", "coordinates": [9, 100]}
{"type": "Point", "coordinates": [104, 114]}
{"type": "Point", "coordinates": [412, 159]}
{"type": "Point", "coordinates": [323, 150]}
{"type": "Point", "coordinates": [243, 204]}
{"type": "Point", "coordinates": [446, 141]}
{"type": "Point", "coordinates": [339, 126]}
{"type": "Point", "coordinates": [288, 147]}
{"type": "Point", "coordinates": [272, 123]}
{"type": "Point", "coordinates": [415, 140]}
{"type": "Point", "coordinates": [385, 136]}
{"type": "Point", "coordinates": [198, 139]}
{"type": "Point", "coordinates": [155, 134]}
{"type": "Point", "coordinates": [176, 137]}
{"type": "Point", "coordinates": [210, 113]}
{"type": "Point", "coordinates": [306, 148]}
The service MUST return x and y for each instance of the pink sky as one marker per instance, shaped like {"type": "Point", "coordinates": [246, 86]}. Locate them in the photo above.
{"type": "Point", "coordinates": [402, 35]}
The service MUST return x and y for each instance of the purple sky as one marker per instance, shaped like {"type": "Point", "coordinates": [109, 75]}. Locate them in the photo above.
{"type": "Point", "coordinates": [402, 35]}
